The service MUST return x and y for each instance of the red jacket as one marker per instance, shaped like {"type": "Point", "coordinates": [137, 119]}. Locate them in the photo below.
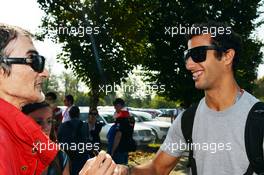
{"type": "Point", "coordinates": [18, 136]}
{"type": "Point", "coordinates": [123, 113]}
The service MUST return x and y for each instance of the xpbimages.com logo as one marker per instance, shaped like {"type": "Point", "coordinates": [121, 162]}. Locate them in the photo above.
{"type": "Point", "coordinates": [194, 30]}
{"type": "Point", "coordinates": [147, 88]}
{"type": "Point", "coordinates": [80, 147]}
{"type": "Point", "coordinates": [79, 31]}
{"type": "Point", "coordinates": [211, 147]}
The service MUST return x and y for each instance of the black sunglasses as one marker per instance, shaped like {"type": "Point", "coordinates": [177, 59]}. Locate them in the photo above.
{"type": "Point", "coordinates": [198, 54]}
{"type": "Point", "coordinates": [36, 61]}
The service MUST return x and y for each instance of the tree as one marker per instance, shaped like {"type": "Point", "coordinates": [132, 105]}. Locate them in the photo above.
{"type": "Point", "coordinates": [70, 83]}
{"type": "Point", "coordinates": [259, 88]}
{"type": "Point", "coordinates": [73, 86]}
{"type": "Point", "coordinates": [162, 102]}
{"type": "Point", "coordinates": [133, 32]}
{"type": "Point", "coordinates": [51, 83]}
{"type": "Point", "coordinates": [99, 39]}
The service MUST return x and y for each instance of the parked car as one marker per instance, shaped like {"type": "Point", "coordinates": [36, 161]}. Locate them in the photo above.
{"type": "Point", "coordinates": [169, 114]}
{"type": "Point", "coordinates": [160, 128]}
{"type": "Point", "coordinates": [142, 135]}
{"type": "Point", "coordinates": [84, 110]}
{"type": "Point", "coordinates": [154, 112]}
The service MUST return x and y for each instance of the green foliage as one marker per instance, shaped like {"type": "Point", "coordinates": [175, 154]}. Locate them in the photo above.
{"type": "Point", "coordinates": [53, 84]}
{"type": "Point", "coordinates": [132, 32]}
{"type": "Point", "coordinates": [66, 84]}
{"type": "Point", "coordinates": [50, 84]}
{"type": "Point", "coordinates": [162, 102]}
{"type": "Point", "coordinates": [82, 99]}
{"type": "Point", "coordinates": [259, 88]}
{"type": "Point", "coordinates": [105, 53]}
{"type": "Point", "coordinates": [70, 83]}
{"type": "Point", "coordinates": [72, 86]}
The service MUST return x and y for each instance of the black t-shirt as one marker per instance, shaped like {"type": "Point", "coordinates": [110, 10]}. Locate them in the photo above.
{"type": "Point", "coordinates": [95, 133]}
{"type": "Point", "coordinates": [123, 125]}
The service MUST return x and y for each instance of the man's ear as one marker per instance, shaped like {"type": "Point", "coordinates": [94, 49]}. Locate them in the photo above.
{"type": "Point", "coordinates": [1, 71]}
{"type": "Point", "coordinates": [229, 56]}
{"type": "Point", "coordinates": [3, 74]}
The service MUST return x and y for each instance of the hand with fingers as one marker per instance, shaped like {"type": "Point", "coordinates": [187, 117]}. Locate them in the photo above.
{"type": "Point", "coordinates": [122, 170]}
{"type": "Point", "coordinates": [100, 165]}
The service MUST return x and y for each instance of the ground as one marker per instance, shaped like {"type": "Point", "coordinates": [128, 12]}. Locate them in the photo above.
{"type": "Point", "coordinates": [140, 157]}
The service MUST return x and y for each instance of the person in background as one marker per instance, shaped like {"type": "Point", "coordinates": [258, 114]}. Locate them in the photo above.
{"type": "Point", "coordinates": [95, 128]}
{"type": "Point", "coordinates": [122, 133]}
{"type": "Point", "coordinates": [42, 114]}
{"type": "Point", "coordinates": [51, 98]}
{"type": "Point", "coordinates": [68, 102]}
{"type": "Point", "coordinates": [74, 132]}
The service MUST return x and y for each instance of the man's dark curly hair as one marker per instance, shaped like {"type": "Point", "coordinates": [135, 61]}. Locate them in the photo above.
{"type": "Point", "coordinates": [226, 39]}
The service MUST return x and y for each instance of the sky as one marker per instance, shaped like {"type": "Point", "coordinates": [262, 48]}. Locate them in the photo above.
{"type": "Point", "coordinates": [27, 14]}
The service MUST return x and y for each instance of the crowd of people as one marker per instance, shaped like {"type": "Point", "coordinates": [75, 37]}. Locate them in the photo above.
{"type": "Point", "coordinates": [27, 121]}
{"type": "Point", "coordinates": [65, 127]}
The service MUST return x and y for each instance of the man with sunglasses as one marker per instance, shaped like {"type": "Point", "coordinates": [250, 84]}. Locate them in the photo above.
{"type": "Point", "coordinates": [21, 76]}
{"type": "Point", "coordinates": [218, 144]}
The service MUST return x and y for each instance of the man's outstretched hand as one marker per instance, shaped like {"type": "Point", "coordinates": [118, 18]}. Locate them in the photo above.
{"type": "Point", "coordinates": [100, 165]}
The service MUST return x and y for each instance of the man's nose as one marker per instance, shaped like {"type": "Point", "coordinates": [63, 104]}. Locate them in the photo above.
{"type": "Point", "coordinates": [189, 63]}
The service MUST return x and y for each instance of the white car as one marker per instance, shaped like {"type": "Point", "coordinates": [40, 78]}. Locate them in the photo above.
{"type": "Point", "coordinates": [154, 112]}
{"type": "Point", "coordinates": [160, 128]}
{"type": "Point", "coordinates": [142, 134]}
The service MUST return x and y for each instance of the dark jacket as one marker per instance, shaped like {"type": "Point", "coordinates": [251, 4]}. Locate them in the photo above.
{"type": "Point", "coordinates": [74, 132]}
{"type": "Point", "coordinates": [95, 133]}
{"type": "Point", "coordinates": [58, 165]}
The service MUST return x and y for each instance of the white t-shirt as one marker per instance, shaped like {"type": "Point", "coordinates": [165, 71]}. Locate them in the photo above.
{"type": "Point", "coordinates": [66, 115]}
{"type": "Point", "coordinates": [218, 138]}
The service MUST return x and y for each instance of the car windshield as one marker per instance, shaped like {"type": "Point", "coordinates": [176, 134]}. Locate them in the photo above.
{"type": "Point", "coordinates": [83, 116]}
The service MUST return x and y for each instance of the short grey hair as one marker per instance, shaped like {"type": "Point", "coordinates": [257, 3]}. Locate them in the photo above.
{"type": "Point", "coordinates": [7, 34]}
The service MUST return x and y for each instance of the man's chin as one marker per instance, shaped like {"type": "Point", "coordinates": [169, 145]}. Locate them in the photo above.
{"type": "Point", "coordinates": [199, 86]}
{"type": "Point", "coordinates": [40, 98]}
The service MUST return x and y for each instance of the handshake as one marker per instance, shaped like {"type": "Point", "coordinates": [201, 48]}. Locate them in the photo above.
{"type": "Point", "coordinates": [103, 164]}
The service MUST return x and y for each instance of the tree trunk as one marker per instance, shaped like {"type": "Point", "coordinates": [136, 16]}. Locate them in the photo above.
{"type": "Point", "coordinates": [94, 97]}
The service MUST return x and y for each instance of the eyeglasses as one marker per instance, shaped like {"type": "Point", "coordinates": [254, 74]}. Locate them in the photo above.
{"type": "Point", "coordinates": [36, 61]}
{"type": "Point", "coordinates": [198, 54]}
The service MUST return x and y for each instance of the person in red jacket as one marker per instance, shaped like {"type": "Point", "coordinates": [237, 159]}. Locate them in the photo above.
{"type": "Point", "coordinates": [123, 133]}
{"type": "Point", "coordinates": [21, 75]}
{"type": "Point", "coordinates": [24, 148]}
